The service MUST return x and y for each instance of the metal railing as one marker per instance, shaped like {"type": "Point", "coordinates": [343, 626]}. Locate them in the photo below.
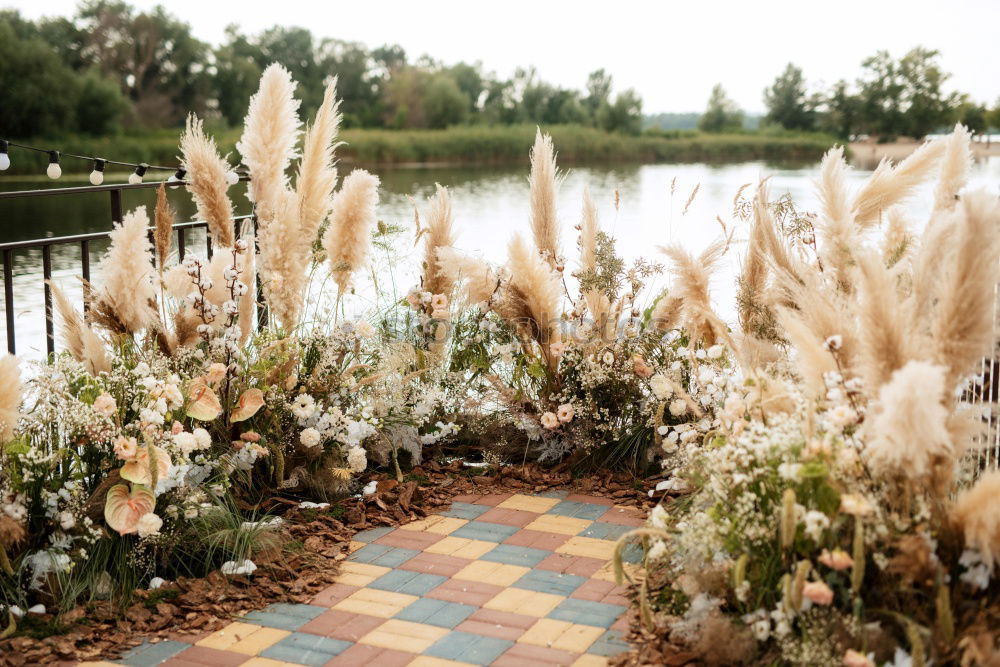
{"type": "Point", "coordinates": [84, 242]}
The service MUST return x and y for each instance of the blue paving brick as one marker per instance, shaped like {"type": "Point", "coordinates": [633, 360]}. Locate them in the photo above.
{"type": "Point", "coordinates": [546, 581]}
{"type": "Point", "coordinates": [553, 494]}
{"type": "Point", "coordinates": [466, 510]}
{"type": "Point", "coordinates": [284, 616]}
{"type": "Point", "coordinates": [632, 553]}
{"type": "Point", "coordinates": [605, 531]}
{"type": "Point", "coordinates": [578, 510]}
{"type": "Point", "coordinates": [483, 530]}
{"type": "Point", "coordinates": [436, 612]}
{"type": "Point", "coordinates": [467, 647]}
{"type": "Point", "coordinates": [380, 554]}
{"type": "Point", "coordinates": [608, 644]}
{"type": "Point", "coordinates": [373, 534]}
{"type": "Point", "coordinates": [586, 612]}
{"type": "Point", "coordinates": [411, 583]}
{"type": "Point", "coordinates": [306, 649]}
{"type": "Point", "coordinates": [513, 555]}
{"type": "Point", "coordinates": [148, 655]}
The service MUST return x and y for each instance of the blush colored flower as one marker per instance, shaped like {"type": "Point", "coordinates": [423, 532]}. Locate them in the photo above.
{"type": "Point", "coordinates": [126, 448]}
{"type": "Point", "coordinates": [818, 592]}
{"type": "Point", "coordinates": [854, 659]}
{"type": "Point", "coordinates": [641, 368]}
{"type": "Point", "coordinates": [565, 413]}
{"type": "Point", "coordinates": [149, 525]}
{"type": "Point", "coordinates": [851, 503]}
{"type": "Point", "coordinates": [550, 421]}
{"type": "Point", "coordinates": [105, 405]}
{"type": "Point", "coordinates": [440, 314]}
{"type": "Point", "coordinates": [837, 560]}
{"type": "Point", "coordinates": [439, 302]}
{"type": "Point", "coordinates": [557, 349]}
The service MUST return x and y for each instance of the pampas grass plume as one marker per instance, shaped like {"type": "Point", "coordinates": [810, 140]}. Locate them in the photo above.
{"type": "Point", "coordinates": [479, 278]}
{"type": "Point", "coordinates": [207, 184]}
{"type": "Point", "coordinates": [537, 285]}
{"type": "Point", "coordinates": [10, 397]}
{"type": "Point", "coordinates": [163, 220]}
{"type": "Point", "coordinates": [438, 234]}
{"type": "Point", "coordinates": [543, 183]}
{"type": "Point", "coordinates": [317, 173]}
{"type": "Point", "coordinates": [81, 341]}
{"type": "Point", "coordinates": [352, 217]}
{"type": "Point", "coordinates": [977, 512]}
{"type": "Point", "coordinates": [127, 269]}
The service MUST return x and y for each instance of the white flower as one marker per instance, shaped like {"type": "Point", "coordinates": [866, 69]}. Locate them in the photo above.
{"type": "Point", "coordinates": [155, 583]}
{"type": "Point", "coordinates": [834, 343]}
{"type": "Point", "coordinates": [715, 352]}
{"type": "Point", "coordinates": [658, 517]}
{"type": "Point", "coordinates": [608, 358]}
{"type": "Point", "coordinates": [550, 420]}
{"type": "Point", "coordinates": [105, 405]}
{"type": "Point", "coordinates": [309, 437]}
{"type": "Point", "coordinates": [816, 523]}
{"type": "Point", "coordinates": [203, 438]}
{"type": "Point", "coordinates": [304, 406]}
{"type": "Point", "coordinates": [706, 375]}
{"type": "Point", "coordinates": [761, 629]}
{"type": "Point", "coordinates": [186, 441]}
{"type": "Point", "coordinates": [357, 459]}
{"type": "Point", "coordinates": [663, 430]}
{"type": "Point", "coordinates": [842, 416]}
{"type": "Point", "coordinates": [66, 520]}
{"type": "Point", "coordinates": [565, 413]}
{"type": "Point", "coordinates": [658, 551]}
{"type": "Point", "coordinates": [369, 488]}
{"type": "Point", "coordinates": [678, 407]}
{"type": "Point", "coordinates": [661, 386]}
{"type": "Point", "coordinates": [243, 567]}
{"type": "Point", "coordinates": [149, 525]}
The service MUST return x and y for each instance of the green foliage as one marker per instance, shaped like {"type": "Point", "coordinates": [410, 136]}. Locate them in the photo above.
{"type": "Point", "coordinates": [788, 104]}
{"type": "Point", "coordinates": [722, 113]}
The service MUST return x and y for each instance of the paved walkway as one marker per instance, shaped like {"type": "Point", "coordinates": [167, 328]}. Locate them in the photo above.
{"type": "Point", "coordinates": [495, 580]}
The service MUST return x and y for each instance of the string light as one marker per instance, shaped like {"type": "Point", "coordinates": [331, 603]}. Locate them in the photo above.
{"type": "Point", "coordinates": [178, 175]}
{"type": "Point", "coordinates": [53, 171]}
{"type": "Point", "coordinates": [97, 176]}
{"type": "Point", "coordinates": [232, 178]}
{"type": "Point", "coordinates": [4, 157]}
{"type": "Point", "coordinates": [136, 177]}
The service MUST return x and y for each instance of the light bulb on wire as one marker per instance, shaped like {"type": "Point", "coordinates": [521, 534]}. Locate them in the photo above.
{"type": "Point", "coordinates": [4, 157]}
{"type": "Point", "coordinates": [97, 176]}
{"type": "Point", "coordinates": [53, 171]}
{"type": "Point", "coordinates": [136, 177]}
{"type": "Point", "coordinates": [178, 175]}
{"type": "Point", "coordinates": [232, 178]}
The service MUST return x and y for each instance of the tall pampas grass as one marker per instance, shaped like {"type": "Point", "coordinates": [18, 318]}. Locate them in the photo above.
{"type": "Point", "coordinates": [977, 512]}
{"type": "Point", "coordinates": [811, 357]}
{"type": "Point", "coordinates": [837, 230]}
{"type": "Point", "coordinates": [955, 166]}
{"type": "Point", "coordinates": [282, 265]}
{"type": "Point", "coordinates": [10, 397]}
{"type": "Point", "coordinates": [897, 242]}
{"type": "Point", "coordinates": [163, 221]}
{"type": "Point", "coordinates": [206, 175]}
{"type": "Point", "coordinates": [887, 342]}
{"type": "Point", "coordinates": [534, 294]}
{"type": "Point", "coordinates": [890, 185]}
{"type": "Point", "coordinates": [317, 173]}
{"type": "Point", "coordinates": [438, 234]}
{"type": "Point", "coordinates": [691, 284]}
{"type": "Point", "coordinates": [248, 300]}
{"type": "Point", "coordinates": [543, 184]}
{"type": "Point", "coordinates": [598, 304]}
{"type": "Point", "coordinates": [270, 134]}
{"type": "Point", "coordinates": [348, 238]}
{"type": "Point", "coordinates": [962, 325]}
{"type": "Point", "coordinates": [81, 341]}
{"type": "Point", "coordinates": [127, 268]}
{"type": "Point", "coordinates": [479, 279]}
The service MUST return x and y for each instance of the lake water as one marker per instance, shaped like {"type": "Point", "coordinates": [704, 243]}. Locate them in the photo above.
{"type": "Point", "coordinates": [490, 204]}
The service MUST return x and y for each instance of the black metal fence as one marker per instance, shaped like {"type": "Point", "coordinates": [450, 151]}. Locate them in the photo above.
{"type": "Point", "coordinates": [84, 242]}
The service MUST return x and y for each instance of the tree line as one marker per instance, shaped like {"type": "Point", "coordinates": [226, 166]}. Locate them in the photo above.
{"type": "Point", "coordinates": [110, 67]}
{"type": "Point", "coordinates": [892, 97]}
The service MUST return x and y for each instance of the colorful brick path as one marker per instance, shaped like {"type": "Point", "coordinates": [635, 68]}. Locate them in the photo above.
{"type": "Point", "coordinates": [495, 580]}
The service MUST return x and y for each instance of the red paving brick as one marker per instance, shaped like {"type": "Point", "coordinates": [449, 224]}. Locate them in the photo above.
{"type": "Point", "coordinates": [441, 564]}
{"type": "Point", "coordinates": [596, 590]}
{"type": "Point", "coordinates": [342, 625]}
{"type": "Point", "coordinates": [409, 539]}
{"type": "Point", "coordinates": [537, 539]}
{"type": "Point", "coordinates": [519, 655]}
{"type": "Point", "coordinates": [201, 655]}
{"type": "Point", "coordinates": [471, 499]}
{"type": "Point", "coordinates": [508, 517]}
{"type": "Point", "coordinates": [581, 566]}
{"type": "Point", "coordinates": [493, 499]}
{"type": "Point", "coordinates": [593, 500]}
{"type": "Point", "coordinates": [361, 655]}
{"type": "Point", "coordinates": [332, 595]}
{"type": "Point", "coordinates": [475, 593]}
{"type": "Point", "coordinates": [622, 517]}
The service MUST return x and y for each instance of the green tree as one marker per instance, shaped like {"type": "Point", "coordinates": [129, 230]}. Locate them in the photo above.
{"type": "Point", "coordinates": [598, 93]}
{"type": "Point", "coordinates": [787, 102]}
{"type": "Point", "coordinates": [444, 103]}
{"type": "Point", "coordinates": [722, 114]}
{"type": "Point", "coordinates": [625, 115]}
{"type": "Point", "coordinates": [903, 97]}
{"type": "Point", "coordinates": [842, 112]}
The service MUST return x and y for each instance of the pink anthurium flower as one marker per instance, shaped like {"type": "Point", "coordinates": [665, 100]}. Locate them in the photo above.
{"type": "Point", "coordinates": [251, 401]}
{"type": "Point", "coordinates": [123, 508]}
{"type": "Point", "coordinates": [203, 404]}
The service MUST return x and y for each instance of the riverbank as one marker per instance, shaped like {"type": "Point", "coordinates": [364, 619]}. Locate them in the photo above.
{"type": "Point", "coordinates": [869, 153]}
{"type": "Point", "coordinates": [464, 145]}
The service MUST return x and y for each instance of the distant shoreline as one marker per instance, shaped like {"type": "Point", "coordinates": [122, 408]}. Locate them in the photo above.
{"type": "Point", "coordinates": [870, 153]}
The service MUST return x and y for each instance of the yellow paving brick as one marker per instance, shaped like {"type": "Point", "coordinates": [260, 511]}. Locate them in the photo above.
{"type": "Point", "coordinates": [227, 636]}
{"type": "Point", "coordinates": [498, 574]}
{"type": "Point", "coordinates": [461, 547]}
{"type": "Point", "coordinates": [267, 662]}
{"type": "Point", "coordinates": [589, 547]}
{"type": "Point", "coordinates": [256, 642]}
{"type": "Point", "coordinates": [544, 632]}
{"type": "Point", "coordinates": [564, 525]}
{"type": "Point", "coordinates": [383, 604]}
{"type": "Point", "coordinates": [590, 660]}
{"type": "Point", "coordinates": [529, 503]}
{"type": "Point", "coordinates": [436, 524]}
{"type": "Point", "coordinates": [561, 635]}
{"type": "Point", "coordinates": [607, 571]}
{"type": "Point", "coordinates": [354, 546]}
{"type": "Point", "coordinates": [359, 574]}
{"type": "Point", "coordinates": [404, 636]}
{"type": "Point", "coordinates": [528, 603]}
{"type": "Point", "coordinates": [430, 661]}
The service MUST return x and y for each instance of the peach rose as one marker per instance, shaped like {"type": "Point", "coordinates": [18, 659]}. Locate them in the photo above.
{"type": "Point", "coordinates": [105, 405]}
{"type": "Point", "coordinates": [854, 659]}
{"type": "Point", "coordinates": [641, 368]}
{"type": "Point", "coordinates": [818, 592]}
{"type": "Point", "coordinates": [126, 448]}
{"type": "Point", "coordinates": [215, 373]}
{"type": "Point", "coordinates": [838, 560]}
{"type": "Point", "coordinates": [565, 413]}
{"type": "Point", "coordinates": [550, 421]}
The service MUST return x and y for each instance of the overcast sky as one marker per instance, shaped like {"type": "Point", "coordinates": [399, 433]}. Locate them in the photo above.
{"type": "Point", "coordinates": [671, 52]}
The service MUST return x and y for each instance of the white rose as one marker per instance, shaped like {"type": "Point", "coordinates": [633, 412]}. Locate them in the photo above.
{"type": "Point", "coordinates": [715, 352]}
{"type": "Point", "coordinates": [661, 386]}
{"type": "Point", "coordinates": [357, 459]}
{"type": "Point", "coordinates": [678, 407]}
{"type": "Point", "coordinates": [309, 437]}
{"type": "Point", "coordinates": [67, 520]}
{"type": "Point", "coordinates": [186, 441]}
{"type": "Point", "coordinates": [202, 437]}
{"type": "Point", "coordinates": [149, 525]}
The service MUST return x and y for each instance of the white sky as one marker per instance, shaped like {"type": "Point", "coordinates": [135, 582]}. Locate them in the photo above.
{"type": "Point", "coordinates": [671, 52]}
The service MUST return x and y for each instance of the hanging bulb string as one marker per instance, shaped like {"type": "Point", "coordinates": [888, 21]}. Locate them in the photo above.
{"type": "Point", "coordinates": [4, 143]}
